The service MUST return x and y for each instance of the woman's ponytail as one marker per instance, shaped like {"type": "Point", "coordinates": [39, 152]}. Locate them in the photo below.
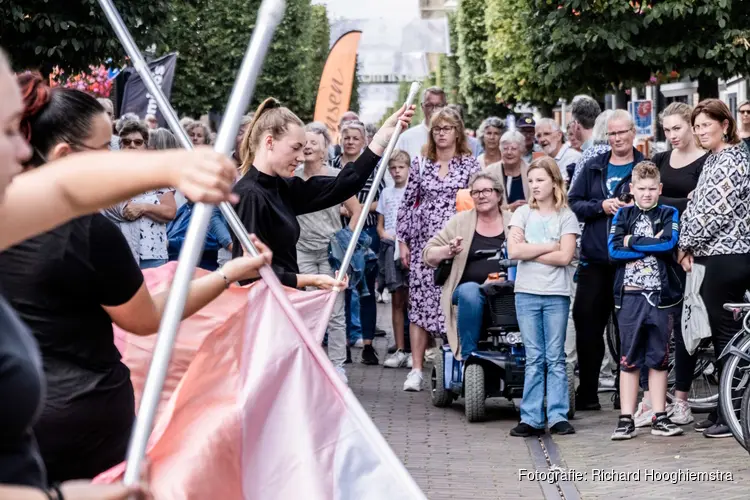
{"type": "Point", "coordinates": [269, 117]}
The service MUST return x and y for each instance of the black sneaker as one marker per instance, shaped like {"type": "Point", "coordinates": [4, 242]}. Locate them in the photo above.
{"type": "Point", "coordinates": [525, 430]}
{"type": "Point", "coordinates": [718, 430]}
{"type": "Point", "coordinates": [704, 424]}
{"type": "Point", "coordinates": [348, 356]}
{"type": "Point", "coordinates": [662, 426]}
{"type": "Point", "coordinates": [562, 428]}
{"type": "Point", "coordinates": [616, 400]}
{"type": "Point", "coordinates": [392, 348]}
{"type": "Point", "coordinates": [625, 428]}
{"type": "Point", "coordinates": [379, 332]}
{"type": "Point", "coordinates": [592, 405]}
{"type": "Point", "coordinates": [369, 356]}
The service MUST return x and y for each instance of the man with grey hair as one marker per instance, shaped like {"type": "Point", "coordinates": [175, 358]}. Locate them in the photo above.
{"type": "Point", "coordinates": [550, 138]}
{"type": "Point", "coordinates": [412, 140]}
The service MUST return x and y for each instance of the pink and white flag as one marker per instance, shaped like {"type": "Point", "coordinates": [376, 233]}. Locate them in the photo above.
{"type": "Point", "coordinates": [260, 413]}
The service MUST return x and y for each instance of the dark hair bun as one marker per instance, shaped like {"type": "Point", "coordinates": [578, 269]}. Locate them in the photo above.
{"type": "Point", "coordinates": [36, 95]}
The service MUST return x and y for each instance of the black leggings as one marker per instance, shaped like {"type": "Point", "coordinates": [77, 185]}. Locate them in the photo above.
{"type": "Point", "coordinates": [684, 363]}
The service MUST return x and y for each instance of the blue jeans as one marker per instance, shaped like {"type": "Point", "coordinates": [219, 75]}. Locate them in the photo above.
{"type": "Point", "coordinates": [151, 263]}
{"type": "Point", "coordinates": [543, 320]}
{"type": "Point", "coordinates": [470, 300]}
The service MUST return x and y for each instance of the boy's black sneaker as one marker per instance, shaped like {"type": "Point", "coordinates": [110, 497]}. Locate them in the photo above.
{"type": "Point", "coordinates": [525, 430]}
{"type": "Point", "coordinates": [369, 356]}
{"type": "Point", "coordinates": [562, 428]}
{"type": "Point", "coordinates": [625, 428]}
{"type": "Point", "coordinates": [662, 426]}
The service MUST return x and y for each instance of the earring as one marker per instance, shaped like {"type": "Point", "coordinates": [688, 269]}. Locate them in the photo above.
{"type": "Point", "coordinates": [725, 138]}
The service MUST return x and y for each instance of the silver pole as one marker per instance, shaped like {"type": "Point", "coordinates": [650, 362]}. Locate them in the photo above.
{"type": "Point", "coordinates": [140, 65]}
{"type": "Point", "coordinates": [269, 16]}
{"type": "Point", "coordinates": [374, 190]}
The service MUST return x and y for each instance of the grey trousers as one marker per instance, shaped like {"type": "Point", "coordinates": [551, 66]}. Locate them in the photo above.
{"type": "Point", "coordinates": [317, 263]}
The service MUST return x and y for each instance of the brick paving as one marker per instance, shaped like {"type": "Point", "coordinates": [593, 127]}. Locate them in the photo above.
{"type": "Point", "coordinates": [452, 459]}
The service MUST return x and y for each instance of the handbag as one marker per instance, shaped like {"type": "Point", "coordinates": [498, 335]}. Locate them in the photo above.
{"type": "Point", "coordinates": [695, 326]}
{"type": "Point", "coordinates": [442, 272]}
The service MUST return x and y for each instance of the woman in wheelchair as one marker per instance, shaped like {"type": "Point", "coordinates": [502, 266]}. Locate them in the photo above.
{"type": "Point", "coordinates": [461, 247]}
{"type": "Point", "coordinates": [543, 238]}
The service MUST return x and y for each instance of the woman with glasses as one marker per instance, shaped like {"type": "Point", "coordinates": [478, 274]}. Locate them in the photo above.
{"type": "Point", "coordinates": [512, 170]}
{"type": "Point", "coordinates": [70, 283]}
{"type": "Point", "coordinates": [462, 240]}
{"type": "Point", "coordinates": [445, 166]}
{"type": "Point", "coordinates": [744, 116]}
{"type": "Point", "coordinates": [715, 230]}
{"type": "Point", "coordinates": [143, 220]}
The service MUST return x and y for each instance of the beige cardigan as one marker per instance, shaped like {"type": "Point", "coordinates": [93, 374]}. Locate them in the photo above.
{"type": "Point", "coordinates": [463, 224]}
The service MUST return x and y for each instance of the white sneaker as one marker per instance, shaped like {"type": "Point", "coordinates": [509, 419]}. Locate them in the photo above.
{"type": "Point", "coordinates": [681, 413]}
{"type": "Point", "coordinates": [409, 361]}
{"type": "Point", "coordinates": [342, 374]}
{"type": "Point", "coordinates": [396, 360]}
{"type": "Point", "coordinates": [386, 296]}
{"type": "Point", "coordinates": [607, 385]}
{"type": "Point", "coordinates": [413, 381]}
{"type": "Point", "coordinates": [430, 354]}
{"type": "Point", "coordinates": [359, 343]}
{"type": "Point", "coordinates": [378, 297]}
{"type": "Point", "coordinates": [643, 414]}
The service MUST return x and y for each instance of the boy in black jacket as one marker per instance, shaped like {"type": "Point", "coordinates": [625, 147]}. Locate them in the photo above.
{"type": "Point", "coordinates": [642, 241]}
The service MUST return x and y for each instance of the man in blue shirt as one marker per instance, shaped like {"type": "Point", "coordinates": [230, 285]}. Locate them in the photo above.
{"type": "Point", "coordinates": [594, 198]}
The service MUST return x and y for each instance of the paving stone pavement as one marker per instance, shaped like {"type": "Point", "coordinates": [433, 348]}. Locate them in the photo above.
{"type": "Point", "coordinates": [452, 459]}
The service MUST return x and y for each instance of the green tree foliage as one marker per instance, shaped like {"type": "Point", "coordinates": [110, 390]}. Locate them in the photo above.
{"type": "Point", "coordinates": [595, 45]}
{"type": "Point", "coordinates": [211, 37]}
{"type": "Point", "coordinates": [509, 55]}
{"type": "Point", "coordinates": [475, 85]}
{"type": "Point", "coordinates": [450, 71]}
{"type": "Point", "coordinates": [72, 34]}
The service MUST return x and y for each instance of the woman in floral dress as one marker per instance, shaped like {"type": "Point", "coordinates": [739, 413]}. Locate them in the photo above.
{"type": "Point", "coordinates": [429, 202]}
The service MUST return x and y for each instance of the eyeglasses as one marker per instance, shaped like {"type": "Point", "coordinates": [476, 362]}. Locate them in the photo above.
{"type": "Point", "coordinates": [136, 142]}
{"type": "Point", "coordinates": [745, 111]}
{"type": "Point", "coordinates": [443, 130]}
{"type": "Point", "coordinates": [700, 127]}
{"type": "Point", "coordinates": [477, 193]}
{"type": "Point", "coordinates": [431, 107]}
{"type": "Point", "coordinates": [613, 135]}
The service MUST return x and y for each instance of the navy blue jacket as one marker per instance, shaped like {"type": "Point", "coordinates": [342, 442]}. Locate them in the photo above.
{"type": "Point", "coordinates": [585, 199]}
{"type": "Point", "coordinates": [664, 219]}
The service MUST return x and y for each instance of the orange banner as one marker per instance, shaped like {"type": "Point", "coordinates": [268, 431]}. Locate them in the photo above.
{"type": "Point", "coordinates": [335, 90]}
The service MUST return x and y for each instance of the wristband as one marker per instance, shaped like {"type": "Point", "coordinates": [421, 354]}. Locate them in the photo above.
{"type": "Point", "coordinates": [224, 276]}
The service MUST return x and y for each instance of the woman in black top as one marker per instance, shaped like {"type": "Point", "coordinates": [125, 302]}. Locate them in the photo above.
{"type": "Point", "coordinates": [680, 169]}
{"type": "Point", "coordinates": [44, 198]}
{"type": "Point", "coordinates": [271, 197]}
{"type": "Point", "coordinates": [70, 283]}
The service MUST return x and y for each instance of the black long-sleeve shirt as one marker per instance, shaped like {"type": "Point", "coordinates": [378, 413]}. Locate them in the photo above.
{"type": "Point", "coordinates": [269, 206]}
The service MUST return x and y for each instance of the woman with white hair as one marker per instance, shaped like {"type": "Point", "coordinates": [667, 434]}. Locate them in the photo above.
{"type": "Point", "coordinates": [512, 170]}
{"type": "Point", "coordinates": [489, 137]}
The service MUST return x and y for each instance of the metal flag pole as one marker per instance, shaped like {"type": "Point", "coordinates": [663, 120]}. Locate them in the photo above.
{"type": "Point", "coordinates": [378, 177]}
{"type": "Point", "coordinates": [269, 17]}
{"type": "Point", "coordinates": [141, 67]}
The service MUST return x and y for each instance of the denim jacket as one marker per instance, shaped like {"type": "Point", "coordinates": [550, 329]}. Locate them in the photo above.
{"type": "Point", "coordinates": [363, 258]}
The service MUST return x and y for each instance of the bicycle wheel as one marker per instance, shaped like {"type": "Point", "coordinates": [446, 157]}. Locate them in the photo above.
{"type": "Point", "coordinates": [745, 418]}
{"type": "Point", "coordinates": [735, 377]}
{"type": "Point", "coordinates": [613, 340]}
{"type": "Point", "coordinates": [704, 389]}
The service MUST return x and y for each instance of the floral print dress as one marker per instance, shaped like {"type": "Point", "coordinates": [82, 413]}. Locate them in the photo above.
{"type": "Point", "coordinates": [428, 203]}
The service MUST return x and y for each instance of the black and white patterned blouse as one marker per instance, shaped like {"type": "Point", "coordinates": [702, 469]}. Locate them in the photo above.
{"type": "Point", "coordinates": [717, 219]}
{"type": "Point", "coordinates": [153, 235]}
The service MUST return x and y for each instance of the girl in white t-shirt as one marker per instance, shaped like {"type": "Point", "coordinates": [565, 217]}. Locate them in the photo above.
{"type": "Point", "coordinates": [543, 237]}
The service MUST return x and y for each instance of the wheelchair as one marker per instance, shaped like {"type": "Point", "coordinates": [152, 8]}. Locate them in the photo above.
{"type": "Point", "coordinates": [497, 368]}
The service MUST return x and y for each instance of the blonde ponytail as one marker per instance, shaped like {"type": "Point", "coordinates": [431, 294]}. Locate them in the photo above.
{"type": "Point", "coordinates": [269, 117]}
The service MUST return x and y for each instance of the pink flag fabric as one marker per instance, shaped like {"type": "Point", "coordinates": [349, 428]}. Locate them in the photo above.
{"type": "Point", "coordinates": [253, 409]}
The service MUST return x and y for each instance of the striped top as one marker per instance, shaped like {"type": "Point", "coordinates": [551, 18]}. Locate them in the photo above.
{"type": "Point", "coordinates": [372, 217]}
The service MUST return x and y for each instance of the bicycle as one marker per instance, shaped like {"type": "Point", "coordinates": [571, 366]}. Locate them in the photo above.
{"type": "Point", "coordinates": [704, 390]}
{"type": "Point", "coordinates": [735, 375]}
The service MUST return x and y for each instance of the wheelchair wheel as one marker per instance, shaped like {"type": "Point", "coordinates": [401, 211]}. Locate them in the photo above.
{"type": "Point", "coordinates": [745, 418]}
{"type": "Point", "coordinates": [474, 393]}
{"type": "Point", "coordinates": [735, 378]}
{"type": "Point", "coordinates": [613, 340]}
{"type": "Point", "coordinates": [570, 370]}
{"type": "Point", "coordinates": [439, 394]}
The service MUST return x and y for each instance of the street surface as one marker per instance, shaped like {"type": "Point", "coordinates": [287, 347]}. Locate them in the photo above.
{"type": "Point", "coordinates": [452, 459]}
